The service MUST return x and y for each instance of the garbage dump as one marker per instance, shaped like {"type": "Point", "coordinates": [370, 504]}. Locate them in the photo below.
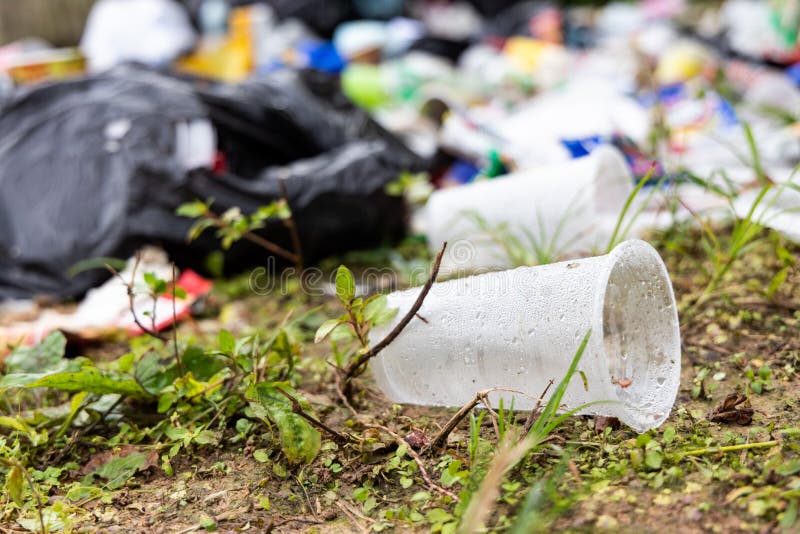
{"type": "Point", "coordinates": [134, 145]}
{"type": "Point", "coordinates": [532, 133]}
{"type": "Point", "coordinates": [410, 265]}
{"type": "Point", "coordinates": [107, 309]}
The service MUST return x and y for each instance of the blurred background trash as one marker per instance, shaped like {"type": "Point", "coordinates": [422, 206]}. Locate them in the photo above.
{"type": "Point", "coordinates": [148, 143]}
{"type": "Point", "coordinates": [153, 32]}
{"type": "Point", "coordinates": [228, 99]}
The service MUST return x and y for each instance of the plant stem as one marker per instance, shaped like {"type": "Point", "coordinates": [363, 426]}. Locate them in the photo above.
{"type": "Point", "coordinates": [255, 238]}
{"type": "Point", "coordinates": [178, 358]}
{"type": "Point", "coordinates": [356, 365]}
{"type": "Point", "coordinates": [132, 296]}
{"type": "Point", "coordinates": [297, 409]}
{"type": "Point", "coordinates": [290, 224]}
{"type": "Point", "coordinates": [729, 448]}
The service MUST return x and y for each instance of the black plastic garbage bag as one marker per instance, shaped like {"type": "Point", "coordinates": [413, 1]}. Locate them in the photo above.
{"type": "Point", "coordinates": [88, 169]}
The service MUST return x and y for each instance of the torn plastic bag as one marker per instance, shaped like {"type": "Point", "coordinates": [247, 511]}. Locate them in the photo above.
{"type": "Point", "coordinates": [337, 199]}
{"type": "Point", "coordinates": [91, 168]}
{"type": "Point", "coordinates": [287, 116]}
{"type": "Point", "coordinates": [76, 160]}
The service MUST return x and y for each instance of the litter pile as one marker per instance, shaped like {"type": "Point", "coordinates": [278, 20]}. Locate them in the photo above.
{"type": "Point", "coordinates": [534, 124]}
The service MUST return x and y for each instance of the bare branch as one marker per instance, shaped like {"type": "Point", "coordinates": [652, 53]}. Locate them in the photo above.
{"type": "Point", "coordinates": [535, 412]}
{"type": "Point", "coordinates": [255, 238]}
{"type": "Point", "coordinates": [132, 296]}
{"type": "Point", "coordinates": [290, 224]}
{"type": "Point", "coordinates": [480, 397]}
{"type": "Point", "coordinates": [178, 358]}
{"type": "Point", "coordinates": [357, 364]}
{"type": "Point", "coordinates": [297, 408]}
{"type": "Point", "coordinates": [422, 471]}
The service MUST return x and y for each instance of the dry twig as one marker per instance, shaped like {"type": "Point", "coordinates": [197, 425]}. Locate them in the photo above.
{"type": "Point", "coordinates": [480, 397]}
{"type": "Point", "coordinates": [422, 471]}
{"type": "Point", "coordinates": [132, 296]}
{"type": "Point", "coordinates": [297, 408]}
{"type": "Point", "coordinates": [292, 227]}
{"type": "Point", "coordinates": [357, 364]}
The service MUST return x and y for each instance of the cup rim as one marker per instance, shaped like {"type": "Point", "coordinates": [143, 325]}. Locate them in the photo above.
{"type": "Point", "coordinates": [625, 412]}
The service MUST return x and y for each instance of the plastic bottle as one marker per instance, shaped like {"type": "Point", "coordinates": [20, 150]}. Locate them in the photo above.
{"type": "Point", "coordinates": [519, 329]}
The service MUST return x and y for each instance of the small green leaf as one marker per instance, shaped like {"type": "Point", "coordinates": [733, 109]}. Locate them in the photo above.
{"type": "Point", "coordinates": [92, 380]}
{"type": "Point", "coordinates": [180, 293]}
{"type": "Point", "coordinates": [360, 494]}
{"type": "Point", "coordinates": [206, 437]}
{"type": "Point", "coordinates": [790, 515]}
{"type": "Point", "coordinates": [300, 442]}
{"type": "Point", "coordinates": [15, 485]}
{"type": "Point", "coordinates": [150, 279]}
{"type": "Point", "coordinates": [377, 311]}
{"type": "Point", "coordinates": [669, 434]}
{"type": "Point", "coordinates": [165, 402]}
{"type": "Point", "coordinates": [453, 474]}
{"type": "Point", "coordinates": [159, 287]}
{"type": "Point", "coordinates": [788, 468]}
{"type": "Point", "coordinates": [198, 228]}
{"type": "Point", "coordinates": [45, 356]}
{"type": "Point", "coordinates": [215, 263]}
{"type": "Point", "coordinates": [326, 328]}
{"type": "Point", "coordinates": [193, 209]}
{"type": "Point", "coordinates": [784, 255]}
{"type": "Point", "coordinates": [227, 343]}
{"type": "Point", "coordinates": [345, 285]}
{"type": "Point", "coordinates": [120, 469]}
{"type": "Point", "coordinates": [83, 493]}
{"type": "Point", "coordinates": [764, 372]}
{"type": "Point", "coordinates": [777, 281]}
{"type": "Point", "coordinates": [370, 504]}
{"type": "Point", "coordinates": [16, 424]}
{"type": "Point", "coordinates": [155, 373]}
{"type": "Point", "coordinates": [653, 458]}
{"type": "Point", "coordinates": [279, 209]}
{"type": "Point", "coordinates": [203, 365]}
{"type": "Point", "coordinates": [208, 524]}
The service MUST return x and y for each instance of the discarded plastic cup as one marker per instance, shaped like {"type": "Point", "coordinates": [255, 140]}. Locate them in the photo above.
{"type": "Point", "coordinates": [519, 329]}
{"type": "Point", "coordinates": [558, 210]}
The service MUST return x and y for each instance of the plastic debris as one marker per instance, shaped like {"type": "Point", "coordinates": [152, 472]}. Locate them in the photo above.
{"type": "Point", "coordinates": [518, 329]}
{"type": "Point", "coordinates": [555, 211]}
{"type": "Point", "coordinates": [125, 146]}
{"type": "Point", "coordinates": [106, 310]}
{"type": "Point", "coordinates": [153, 32]}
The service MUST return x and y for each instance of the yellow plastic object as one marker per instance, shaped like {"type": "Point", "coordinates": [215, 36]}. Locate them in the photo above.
{"type": "Point", "coordinates": [680, 63]}
{"type": "Point", "coordinates": [230, 60]}
{"type": "Point", "coordinates": [47, 65]}
{"type": "Point", "coordinates": [222, 62]}
{"type": "Point", "coordinates": [526, 54]}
